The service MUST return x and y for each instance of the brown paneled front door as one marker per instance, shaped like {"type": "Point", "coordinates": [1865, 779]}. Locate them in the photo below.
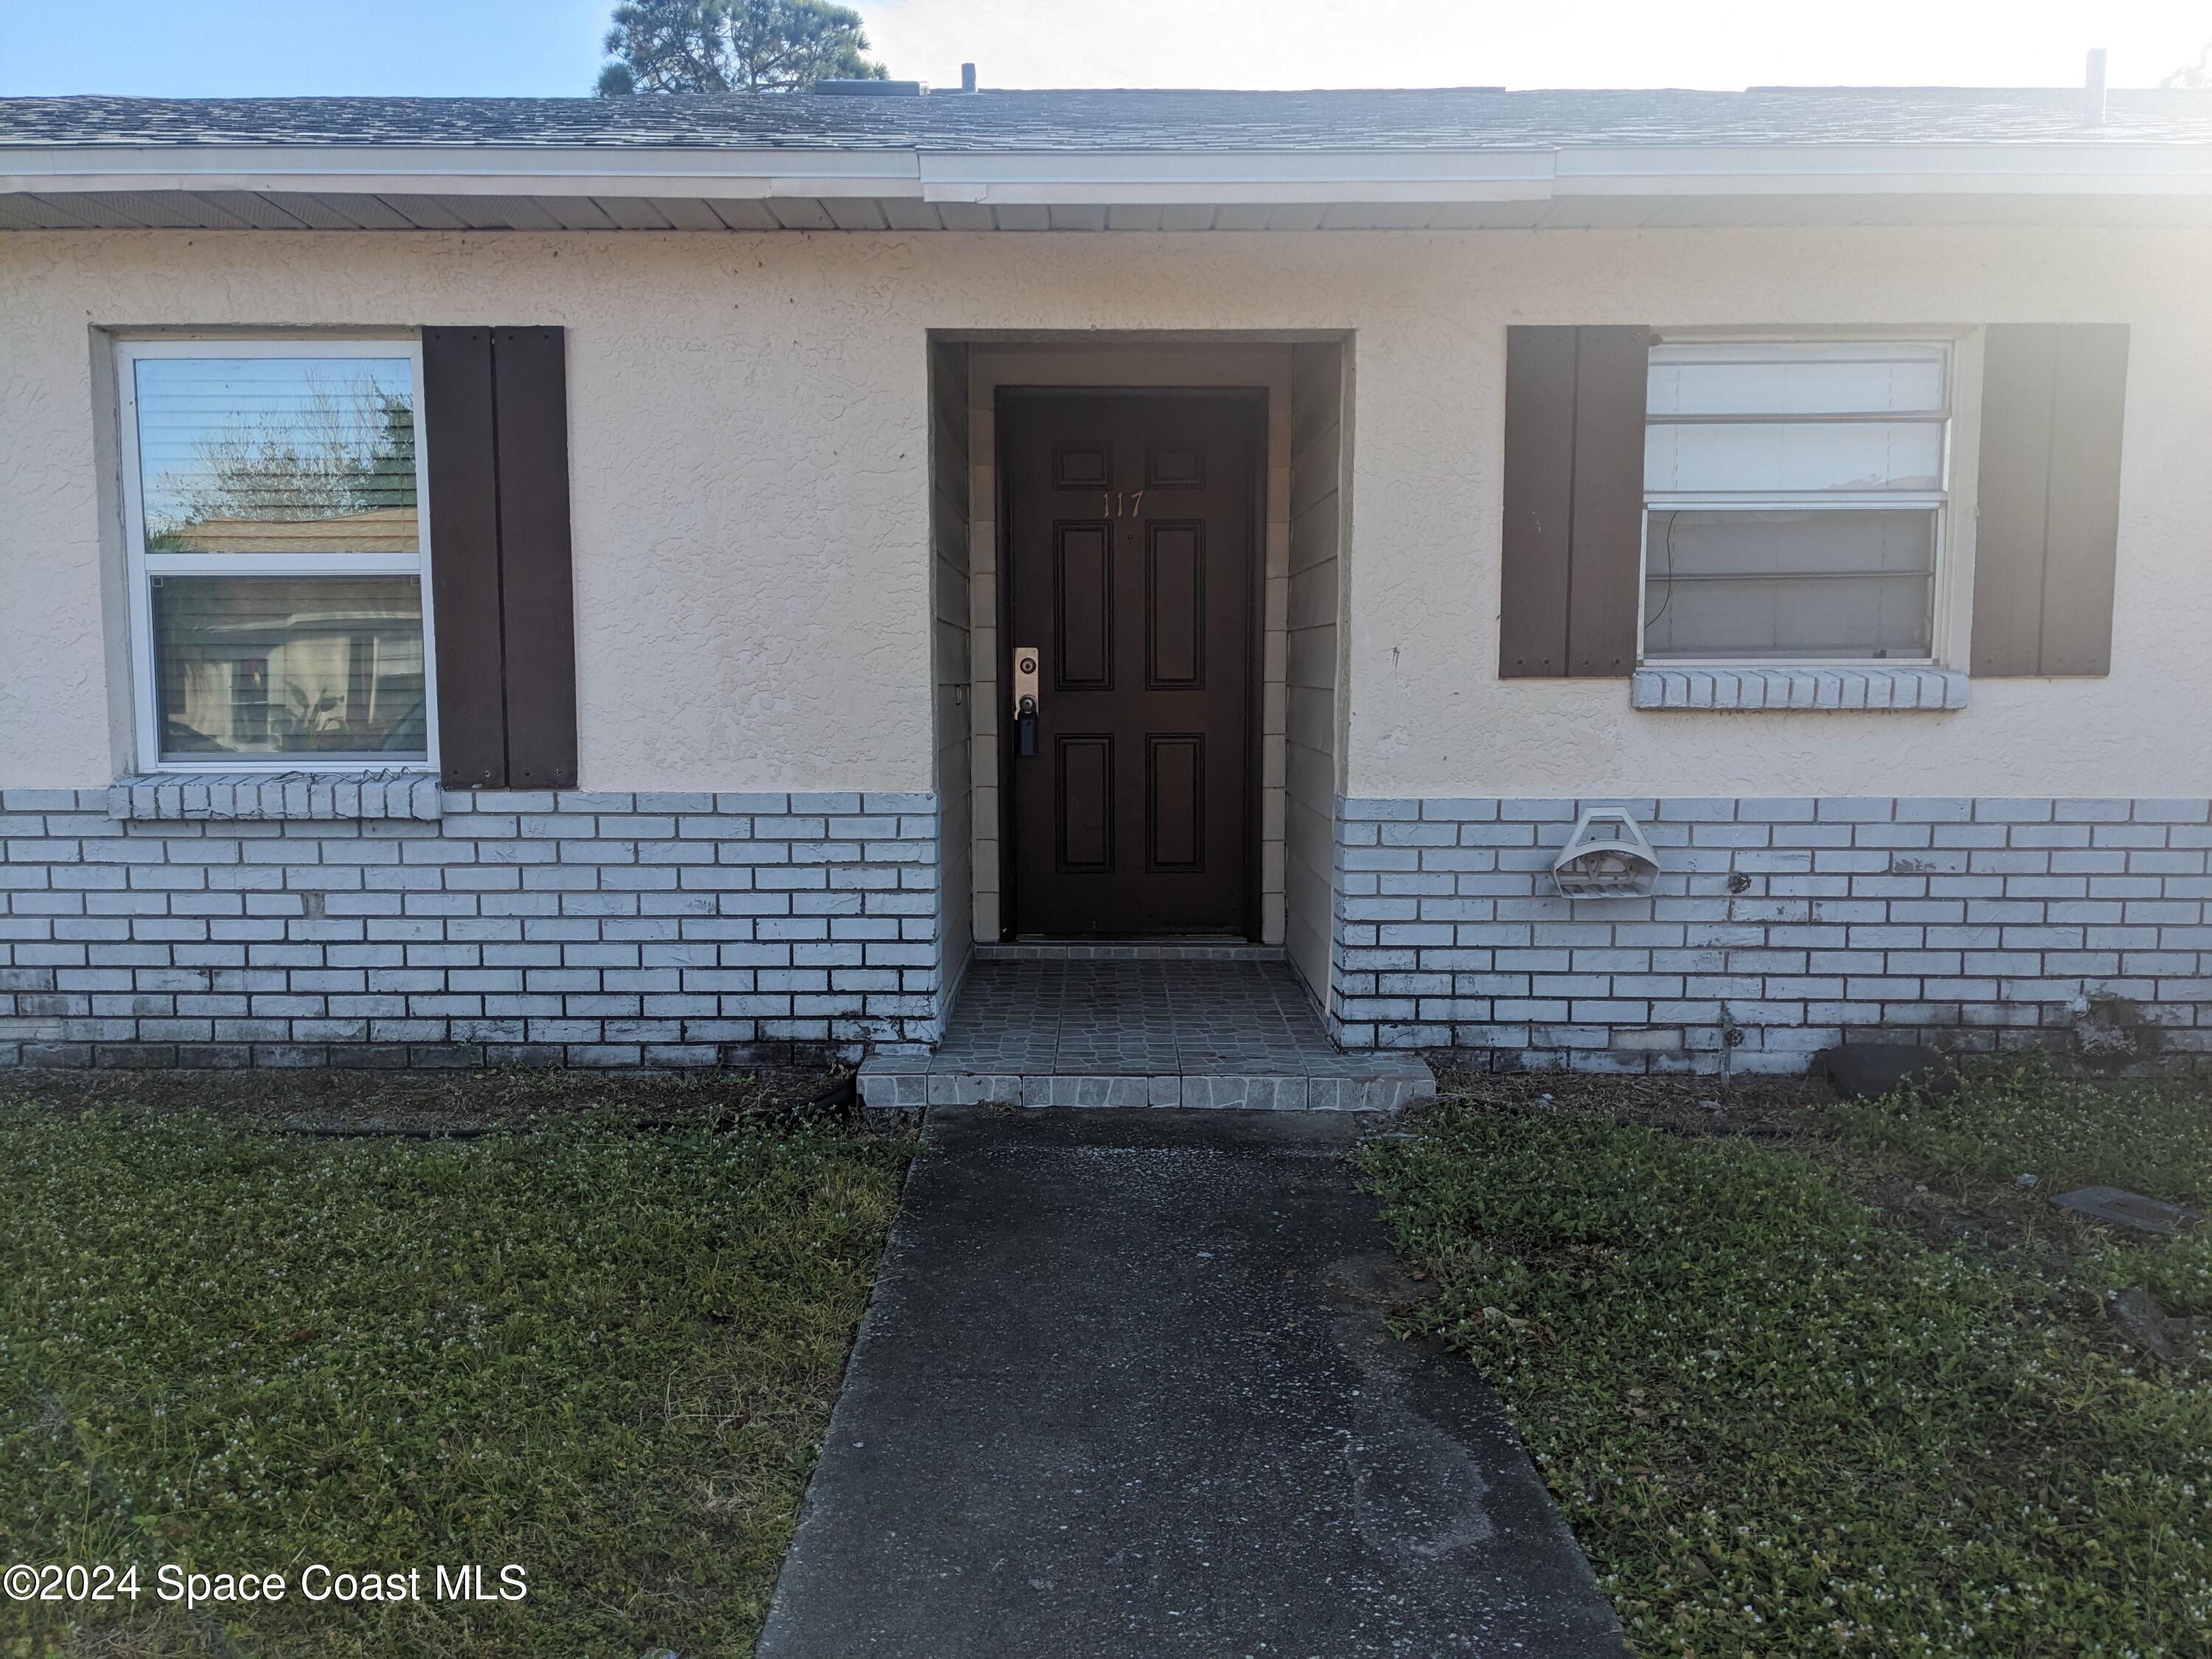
{"type": "Point", "coordinates": [1130, 571]}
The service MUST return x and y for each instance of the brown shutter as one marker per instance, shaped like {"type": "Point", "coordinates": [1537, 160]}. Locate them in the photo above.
{"type": "Point", "coordinates": [1539, 483]}
{"type": "Point", "coordinates": [1574, 499]}
{"type": "Point", "coordinates": [496, 417]}
{"type": "Point", "coordinates": [530, 389]}
{"type": "Point", "coordinates": [2048, 497]}
{"type": "Point", "coordinates": [464, 556]}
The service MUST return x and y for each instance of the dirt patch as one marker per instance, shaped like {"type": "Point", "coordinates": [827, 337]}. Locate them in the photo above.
{"type": "Point", "coordinates": [1767, 1108]}
{"type": "Point", "coordinates": [372, 1101]}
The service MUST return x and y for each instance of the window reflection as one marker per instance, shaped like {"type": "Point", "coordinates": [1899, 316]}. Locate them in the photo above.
{"type": "Point", "coordinates": [277, 454]}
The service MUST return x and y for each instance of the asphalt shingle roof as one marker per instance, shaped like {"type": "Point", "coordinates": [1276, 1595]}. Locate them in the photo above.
{"type": "Point", "coordinates": [1442, 118]}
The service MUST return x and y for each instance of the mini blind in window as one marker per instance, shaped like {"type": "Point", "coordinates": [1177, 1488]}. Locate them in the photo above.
{"type": "Point", "coordinates": [1793, 496]}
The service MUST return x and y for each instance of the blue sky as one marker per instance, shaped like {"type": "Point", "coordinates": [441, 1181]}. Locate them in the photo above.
{"type": "Point", "coordinates": [243, 47]}
{"type": "Point", "coordinates": [269, 47]}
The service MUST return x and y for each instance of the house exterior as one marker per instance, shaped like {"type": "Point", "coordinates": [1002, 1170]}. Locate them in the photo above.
{"type": "Point", "coordinates": [555, 581]}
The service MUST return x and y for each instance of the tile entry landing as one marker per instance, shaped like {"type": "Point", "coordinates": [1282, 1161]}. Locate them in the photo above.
{"type": "Point", "coordinates": [1163, 1031]}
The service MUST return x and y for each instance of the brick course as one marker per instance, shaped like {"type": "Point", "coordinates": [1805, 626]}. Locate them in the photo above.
{"type": "Point", "coordinates": [581, 928]}
{"type": "Point", "coordinates": [1985, 924]}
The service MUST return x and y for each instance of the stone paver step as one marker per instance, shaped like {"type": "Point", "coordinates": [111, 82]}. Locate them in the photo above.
{"type": "Point", "coordinates": [1141, 1031]}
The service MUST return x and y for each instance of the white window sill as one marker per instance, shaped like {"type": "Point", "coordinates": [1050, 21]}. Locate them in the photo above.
{"type": "Point", "coordinates": [192, 796]}
{"type": "Point", "coordinates": [1903, 689]}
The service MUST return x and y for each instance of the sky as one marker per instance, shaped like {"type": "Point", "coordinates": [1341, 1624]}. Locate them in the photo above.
{"type": "Point", "coordinates": [541, 47]}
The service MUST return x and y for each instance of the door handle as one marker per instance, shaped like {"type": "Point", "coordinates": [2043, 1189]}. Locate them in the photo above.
{"type": "Point", "coordinates": [1026, 701]}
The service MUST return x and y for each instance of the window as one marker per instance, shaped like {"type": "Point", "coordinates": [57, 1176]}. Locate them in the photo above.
{"type": "Point", "coordinates": [1794, 501]}
{"type": "Point", "coordinates": [273, 494]}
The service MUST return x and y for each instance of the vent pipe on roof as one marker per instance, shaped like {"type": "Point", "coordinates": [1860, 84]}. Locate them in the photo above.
{"type": "Point", "coordinates": [967, 77]}
{"type": "Point", "coordinates": [2092, 89]}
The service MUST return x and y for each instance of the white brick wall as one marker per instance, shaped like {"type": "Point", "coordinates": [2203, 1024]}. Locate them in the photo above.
{"type": "Point", "coordinates": [617, 929]}
{"type": "Point", "coordinates": [583, 928]}
{"type": "Point", "coordinates": [2076, 925]}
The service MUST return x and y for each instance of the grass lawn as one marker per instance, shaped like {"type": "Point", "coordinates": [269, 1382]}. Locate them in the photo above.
{"type": "Point", "coordinates": [605, 1355]}
{"type": "Point", "coordinates": [1855, 1391]}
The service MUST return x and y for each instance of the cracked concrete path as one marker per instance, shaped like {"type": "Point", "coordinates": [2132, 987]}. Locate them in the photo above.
{"type": "Point", "coordinates": [1126, 1387]}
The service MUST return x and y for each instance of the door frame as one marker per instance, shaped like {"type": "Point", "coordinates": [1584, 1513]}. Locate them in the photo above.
{"type": "Point", "coordinates": [1253, 400]}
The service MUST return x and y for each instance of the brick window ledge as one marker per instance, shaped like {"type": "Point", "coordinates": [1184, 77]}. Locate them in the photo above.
{"type": "Point", "coordinates": [193, 796]}
{"type": "Point", "coordinates": [1902, 690]}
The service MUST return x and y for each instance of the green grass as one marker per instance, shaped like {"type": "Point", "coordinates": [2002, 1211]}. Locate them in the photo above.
{"type": "Point", "coordinates": [1779, 1422]}
{"type": "Point", "coordinates": [2153, 1137]}
{"type": "Point", "coordinates": [604, 1354]}
{"type": "Point", "coordinates": [2067, 1133]}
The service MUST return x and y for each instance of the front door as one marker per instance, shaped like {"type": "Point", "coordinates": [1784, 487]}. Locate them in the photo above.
{"type": "Point", "coordinates": [1129, 574]}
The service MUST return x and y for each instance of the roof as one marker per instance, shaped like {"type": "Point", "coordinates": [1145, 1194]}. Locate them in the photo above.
{"type": "Point", "coordinates": [1453, 158]}
{"type": "Point", "coordinates": [1450, 118]}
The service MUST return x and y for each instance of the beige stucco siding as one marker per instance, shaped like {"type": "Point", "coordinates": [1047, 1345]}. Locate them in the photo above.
{"type": "Point", "coordinates": [749, 441]}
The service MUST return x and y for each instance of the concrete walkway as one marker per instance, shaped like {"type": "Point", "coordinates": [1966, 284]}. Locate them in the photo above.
{"type": "Point", "coordinates": [1124, 1389]}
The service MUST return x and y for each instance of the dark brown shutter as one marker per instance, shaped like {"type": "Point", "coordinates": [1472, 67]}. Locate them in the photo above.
{"type": "Point", "coordinates": [1574, 499]}
{"type": "Point", "coordinates": [1540, 486]}
{"type": "Point", "coordinates": [2048, 497]}
{"type": "Point", "coordinates": [496, 417]}
{"type": "Point", "coordinates": [464, 556]}
{"type": "Point", "coordinates": [530, 388]}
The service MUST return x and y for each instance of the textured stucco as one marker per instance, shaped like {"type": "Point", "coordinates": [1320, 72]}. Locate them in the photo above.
{"type": "Point", "coordinates": [749, 422]}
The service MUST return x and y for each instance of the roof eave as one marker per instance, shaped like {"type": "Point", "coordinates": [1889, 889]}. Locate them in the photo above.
{"type": "Point", "coordinates": [1112, 177]}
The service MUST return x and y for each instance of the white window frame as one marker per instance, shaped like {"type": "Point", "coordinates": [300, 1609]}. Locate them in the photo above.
{"type": "Point", "coordinates": [1943, 500]}
{"type": "Point", "coordinates": [142, 566]}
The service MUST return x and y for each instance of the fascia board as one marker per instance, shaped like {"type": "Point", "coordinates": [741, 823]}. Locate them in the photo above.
{"type": "Point", "coordinates": [1051, 177]}
{"type": "Point", "coordinates": [465, 171]}
{"type": "Point", "coordinates": [2101, 169]}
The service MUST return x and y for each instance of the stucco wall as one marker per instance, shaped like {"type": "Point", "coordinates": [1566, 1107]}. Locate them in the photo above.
{"type": "Point", "coordinates": [950, 511]}
{"type": "Point", "coordinates": [749, 439]}
{"type": "Point", "coordinates": [1313, 708]}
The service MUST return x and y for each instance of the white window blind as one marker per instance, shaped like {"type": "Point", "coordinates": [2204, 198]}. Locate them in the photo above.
{"type": "Point", "coordinates": [1793, 499]}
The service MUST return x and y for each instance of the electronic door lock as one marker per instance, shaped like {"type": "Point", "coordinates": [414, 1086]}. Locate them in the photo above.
{"type": "Point", "coordinates": [1026, 701]}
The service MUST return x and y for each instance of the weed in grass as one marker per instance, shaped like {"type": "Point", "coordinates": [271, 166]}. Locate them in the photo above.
{"type": "Point", "coordinates": [605, 1355]}
{"type": "Point", "coordinates": [1780, 1425]}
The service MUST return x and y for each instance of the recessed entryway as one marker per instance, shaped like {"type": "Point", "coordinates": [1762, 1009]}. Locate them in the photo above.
{"type": "Point", "coordinates": [1130, 658]}
{"type": "Point", "coordinates": [1299, 385]}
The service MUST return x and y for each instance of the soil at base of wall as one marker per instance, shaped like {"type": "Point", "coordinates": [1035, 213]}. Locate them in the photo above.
{"type": "Point", "coordinates": [1764, 1107]}
{"type": "Point", "coordinates": [382, 1102]}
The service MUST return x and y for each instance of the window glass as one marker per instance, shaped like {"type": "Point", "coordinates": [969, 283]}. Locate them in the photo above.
{"type": "Point", "coordinates": [1852, 584]}
{"type": "Point", "coordinates": [323, 665]}
{"type": "Point", "coordinates": [278, 553]}
{"type": "Point", "coordinates": [1793, 499]}
{"type": "Point", "coordinates": [1796, 379]}
{"type": "Point", "coordinates": [277, 454]}
{"type": "Point", "coordinates": [1718, 457]}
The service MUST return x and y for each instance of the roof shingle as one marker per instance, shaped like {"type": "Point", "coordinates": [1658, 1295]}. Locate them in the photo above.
{"type": "Point", "coordinates": [1440, 118]}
